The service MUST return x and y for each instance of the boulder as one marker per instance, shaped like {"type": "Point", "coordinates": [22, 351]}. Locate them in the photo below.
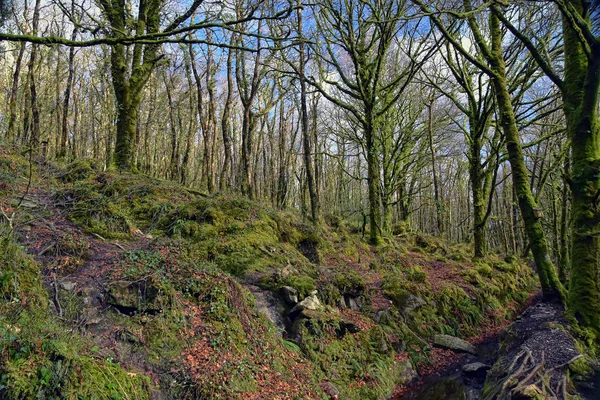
{"type": "Point", "coordinates": [353, 303]}
{"type": "Point", "coordinates": [289, 294]}
{"type": "Point", "coordinates": [130, 297]}
{"type": "Point", "coordinates": [476, 371]}
{"type": "Point", "coordinates": [405, 372]}
{"type": "Point", "coordinates": [412, 303]}
{"type": "Point", "coordinates": [475, 368]}
{"type": "Point", "coordinates": [309, 303]}
{"type": "Point", "coordinates": [453, 343]}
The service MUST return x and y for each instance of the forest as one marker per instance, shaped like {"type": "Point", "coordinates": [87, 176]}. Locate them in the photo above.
{"type": "Point", "coordinates": [280, 199]}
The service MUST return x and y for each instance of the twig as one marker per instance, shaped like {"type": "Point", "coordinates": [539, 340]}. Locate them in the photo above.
{"type": "Point", "coordinates": [508, 380]}
{"type": "Point", "coordinates": [41, 253]}
{"type": "Point", "coordinates": [98, 236]}
{"type": "Point", "coordinates": [104, 240]}
{"type": "Point", "coordinates": [56, 300]}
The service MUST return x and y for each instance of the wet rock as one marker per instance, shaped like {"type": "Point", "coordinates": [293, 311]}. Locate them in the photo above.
{"type": "Point", "coordinates": [309, 303]}
{"type": "Point", "coordinates": [475, 368]}
{"type": "Point", "coordinates": [453, 343]}
{"type": "Point", "coordinates": [289, 294]}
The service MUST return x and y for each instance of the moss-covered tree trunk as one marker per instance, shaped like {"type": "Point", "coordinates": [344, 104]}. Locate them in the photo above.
{"type": "Point", "coordinates": [373, 180]}
{"type": "Point", "coordinates": [306, 145]}
{"type": "Point", "coordinates": [476, 174]}
{"type": "Point", "coordinates": [551, 286]}
{"type": "Point", "coordinates": [580, 102]}
{"type": "Point", "coordinates": [129, 76]}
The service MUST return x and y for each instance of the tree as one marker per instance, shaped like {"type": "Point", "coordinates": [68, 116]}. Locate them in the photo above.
{"type": "Point", "coordinates": [364, 69]}
{"type": "Point", "coordinates": [492, 62]}
{"type": "Point", "coordinates": [580, 87]}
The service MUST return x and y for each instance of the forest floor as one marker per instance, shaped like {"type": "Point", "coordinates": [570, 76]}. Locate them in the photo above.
{"type": "Point", "coordinates": [186, 326]}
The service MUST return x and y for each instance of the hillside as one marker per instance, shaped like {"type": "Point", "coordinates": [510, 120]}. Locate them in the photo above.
{"type": "Point", "coordinates": [124, 286]}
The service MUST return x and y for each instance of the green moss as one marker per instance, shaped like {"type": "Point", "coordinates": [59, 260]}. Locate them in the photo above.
{"type": "Point", "coordinates": [416, 274]}
{"type": "Point", "coordinates": [349, 282]}
{"type": "Point", "coordinates": [78, 170]}
{"type": "Point", "coordinates": [484, 270]}
{"type": "Point", "coordinates": [304, 284]}
{"type": "Point", "coordinates": [40, 357]}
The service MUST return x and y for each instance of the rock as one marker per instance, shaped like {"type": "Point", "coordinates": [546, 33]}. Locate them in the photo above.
{"type": "Point", "coordinates": [476, 371]}
{"type": "Point", "coordinates": [382, 316]}
{"type": "Point", "coordinates": [130, 297]}
{"type": "Point", "coordinates": [270, 306]}
{"type": "Point", "coordinates": [309, 303]}
{"type": "Point", "coordinates": [412, 303]}
{"type": "Point", "coordinates": [406, 373]}
{"type": "Point", "coordinates": [313, 292]}
{"type": "Point", "coordinates": [330, 390]}
{"type": "Point", "coordinates": [289, 294]}
{"type": "Point", "coordinates": [287, 271]}
{"type": "Point", "coordinates": [475, 368]}
{"type": "Point", "coordinates": [91, 316]}
{"type": "Point", "coordinates": [530, 392]}
{"type": "Point", "coordinates": [68, 286]}
{"type": "Point", "coordinates": [453, 343]}
{"type": "Point", "coordinates": [353, 303]}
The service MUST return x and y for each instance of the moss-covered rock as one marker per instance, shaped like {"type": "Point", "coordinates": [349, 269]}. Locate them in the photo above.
{"type": "Point", "coordinates": [349, 283]}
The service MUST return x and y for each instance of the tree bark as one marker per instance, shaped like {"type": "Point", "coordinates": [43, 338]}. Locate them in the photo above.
{"type": "Point", "coordinates": [551, 286]}
{"type": "Point", "coordinates": [580, 103]}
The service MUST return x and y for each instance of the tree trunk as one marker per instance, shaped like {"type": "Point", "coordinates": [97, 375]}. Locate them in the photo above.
{"type": "Point", "coordinates": [64, 136]}
{"type": "Point", "coordinates": [373, 181]}
{"type": "Point", "coordinates": [436, 190]}
{"type": "Point", "coordinates": [551, 286]}
{"type": "Point", "coordinates": [306, 145]}
{"type": "Point", "coordinates": [580, 102]}
{"type": "Point", "coordinates": [14, 91]}
{"type": "Point", "coordinates": [225, 179]}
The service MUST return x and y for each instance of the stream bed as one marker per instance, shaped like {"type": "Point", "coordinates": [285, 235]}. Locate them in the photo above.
{"type": "Point", "coordinates": [454, 383]}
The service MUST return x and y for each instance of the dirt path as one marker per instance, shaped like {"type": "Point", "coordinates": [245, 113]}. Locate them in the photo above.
{"type": "Point", "coordinates": [76, 269]}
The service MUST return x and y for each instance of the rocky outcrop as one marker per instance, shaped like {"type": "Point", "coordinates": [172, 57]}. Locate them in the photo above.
{"type": "Point", "coordinates": [289, 294]}
{"type": "Point", "coordinates": [309, 303]}
{"type": "Point", "coordinates": [132, 297]}
{"type": "Point", "coordinates": [453, 343]}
